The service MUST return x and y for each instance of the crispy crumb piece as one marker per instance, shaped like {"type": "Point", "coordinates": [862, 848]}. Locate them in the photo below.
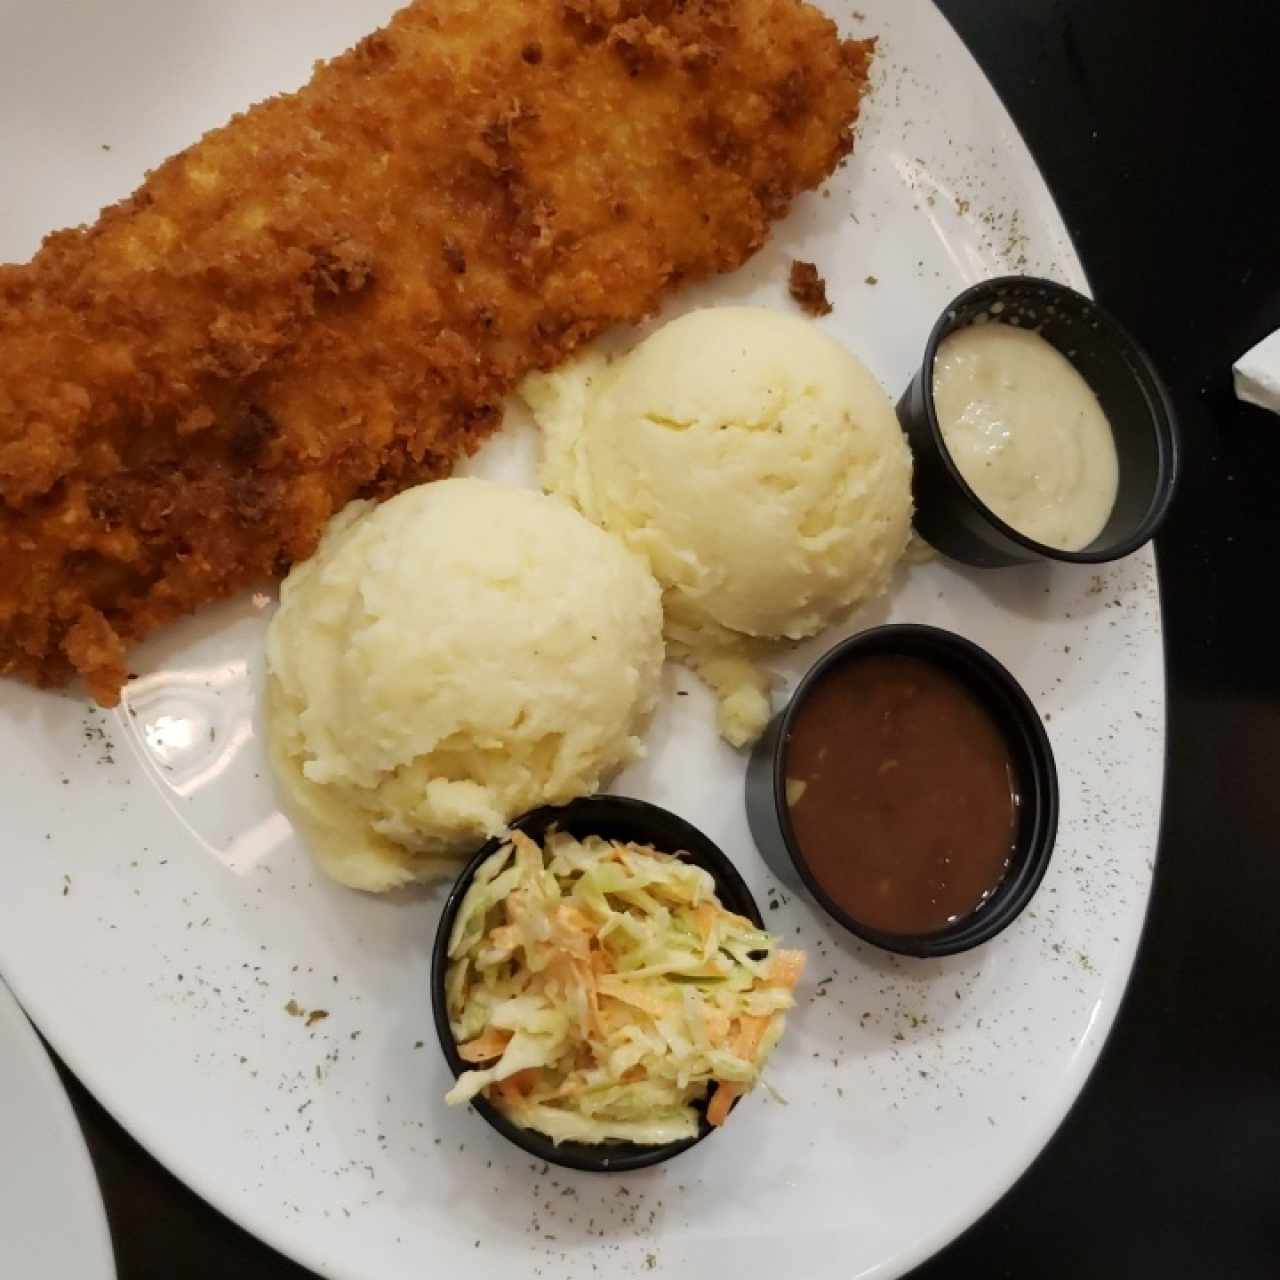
{"type": "Point", "coordinates": [809, 289]}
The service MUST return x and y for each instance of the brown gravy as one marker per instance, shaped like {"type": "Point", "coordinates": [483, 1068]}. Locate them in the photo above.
{"type": "Point", "coordinates": [901, 793]}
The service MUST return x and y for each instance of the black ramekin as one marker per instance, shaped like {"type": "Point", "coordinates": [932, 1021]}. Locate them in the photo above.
{"type": "Point", "coordinates": [1036, 776]}
{"type": "Point", "coordinates": [614, 818]}
{"type": "Point", "coordinates": [952, 518]}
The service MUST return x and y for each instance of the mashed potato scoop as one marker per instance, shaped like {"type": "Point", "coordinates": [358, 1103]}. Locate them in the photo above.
{"type": "Point", "coordinates": [446, 661]}
{"type": "Point", "coordinates": [755, 463]}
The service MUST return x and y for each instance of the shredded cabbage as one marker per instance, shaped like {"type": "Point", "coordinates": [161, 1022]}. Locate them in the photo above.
{"type": "Point", "coordinates": [601, 990]}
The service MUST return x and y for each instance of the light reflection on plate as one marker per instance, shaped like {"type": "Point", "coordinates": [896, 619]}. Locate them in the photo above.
{"type": "Point", "coordinates": [194, 726]}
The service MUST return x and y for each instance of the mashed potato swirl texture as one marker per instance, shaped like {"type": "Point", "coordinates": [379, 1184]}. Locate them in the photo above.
{"type": "Point", "coordinates": [756, 464]}
{"type": "Point", "coordinates": [448, 660]}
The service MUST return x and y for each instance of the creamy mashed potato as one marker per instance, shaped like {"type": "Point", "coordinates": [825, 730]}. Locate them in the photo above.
{"type": "Point", "coordinates": [755, 463]}
{"type": "Point", "coordinates": [446, 661]}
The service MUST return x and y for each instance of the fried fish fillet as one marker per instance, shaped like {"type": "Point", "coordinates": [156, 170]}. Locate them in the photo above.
{"type": "Point", "coordinates": [331, 295]}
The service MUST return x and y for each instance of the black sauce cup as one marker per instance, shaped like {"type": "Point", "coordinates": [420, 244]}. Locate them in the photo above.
{"type": "Point", "coordinates": [1004, 699]}
{"type": "Point", "coordinates": [952, 518]}
{"type": "Point", "coordinates": [614, 818]}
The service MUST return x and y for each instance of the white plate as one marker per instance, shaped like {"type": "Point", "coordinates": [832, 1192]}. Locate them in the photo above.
{"type": "Point", "coordinates": [52, 1224]}
{"type": "Point", "coordinates": [917, 1091]}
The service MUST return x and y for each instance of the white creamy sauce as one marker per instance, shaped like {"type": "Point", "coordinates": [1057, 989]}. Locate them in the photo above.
{"type": "Point", "coordinates": [1027, 433]}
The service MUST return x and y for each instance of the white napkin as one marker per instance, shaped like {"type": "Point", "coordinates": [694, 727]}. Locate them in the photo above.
{"type": "Point", "coordinates": [1257, 374]}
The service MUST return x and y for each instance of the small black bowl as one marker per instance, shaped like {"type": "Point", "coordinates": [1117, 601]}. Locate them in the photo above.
{"type": "Point", "coordinates": [952, 518]}
{"type": "Point", "coordinates": [615, 818]}
{"type": "Point", "coordinates": [1037, 779]}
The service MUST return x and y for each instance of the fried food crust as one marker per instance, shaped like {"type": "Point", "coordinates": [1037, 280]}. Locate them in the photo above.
{"type": "Point", "coordinates": [807, 286]}
{"type": "Point", "coordinates": [330, 296]}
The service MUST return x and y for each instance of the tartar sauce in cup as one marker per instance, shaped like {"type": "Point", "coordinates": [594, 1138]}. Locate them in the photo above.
{"type": "Point", "coordinates": [1027, 433]}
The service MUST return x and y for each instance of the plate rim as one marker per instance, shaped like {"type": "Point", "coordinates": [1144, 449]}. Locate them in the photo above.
{"type": "Point", "coordinates": [77, 1162]}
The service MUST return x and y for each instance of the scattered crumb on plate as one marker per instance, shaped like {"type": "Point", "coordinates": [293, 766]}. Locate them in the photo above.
{"type": "Point", "coordinates": [808, 288]}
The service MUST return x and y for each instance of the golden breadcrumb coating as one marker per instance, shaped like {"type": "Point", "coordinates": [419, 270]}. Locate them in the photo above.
{"type": "Point", "coordinates": [332, 295]}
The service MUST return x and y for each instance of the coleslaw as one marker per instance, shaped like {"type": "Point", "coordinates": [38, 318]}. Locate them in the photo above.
{"type": "Point", "coordinates": [601, 991]}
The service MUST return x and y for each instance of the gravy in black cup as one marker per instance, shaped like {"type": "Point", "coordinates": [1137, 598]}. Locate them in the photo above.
{"type": "Point", "coordinates": [909, 789]}
{"type": "Point", "coordinates": [901, 793]}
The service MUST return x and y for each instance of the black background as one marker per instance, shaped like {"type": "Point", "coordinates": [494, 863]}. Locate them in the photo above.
{"type": "Point", "coordinates": [1156, 125]}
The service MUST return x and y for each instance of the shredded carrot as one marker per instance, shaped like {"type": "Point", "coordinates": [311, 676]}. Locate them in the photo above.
{"type": "Point", "coordinates": [722, 1099]}
{"type": "Point", "coordinates": [574, 919]}
{"type": "Point", "coordinates": [632, 995]}
{"type": "Point", "coordinates": [747, 1041]}
{"type": "Point", "coordinates": [562, 968]}
{"type": "Point", "coordinates": [586, 979]}
{"type": "Point", "coordinates": [488, 1045]}
{"type": "Point", "coordinates": [787, 968]}
{"type": "Point", "coordinates": [507, 1095]}
{"type": "Point", "coordinates": [514, 1087]}
{"type": "Point", "coordinates": [506, 936]}
{"type": "Point", "coordinates": [704, 916]}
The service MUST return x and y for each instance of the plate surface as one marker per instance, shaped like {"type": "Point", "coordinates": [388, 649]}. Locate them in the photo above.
{"type": "Point", "coordinates": [52, 1224]}
{"type": "Point", "coordinates": [916, 1091]}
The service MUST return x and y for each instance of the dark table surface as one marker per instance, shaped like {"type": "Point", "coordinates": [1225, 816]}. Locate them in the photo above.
{"type": "Point", "coordinates": [1155, 123]}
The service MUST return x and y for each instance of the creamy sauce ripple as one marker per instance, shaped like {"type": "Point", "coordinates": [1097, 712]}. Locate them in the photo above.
{"type": "Point", "coordinates": [1027, 433]}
